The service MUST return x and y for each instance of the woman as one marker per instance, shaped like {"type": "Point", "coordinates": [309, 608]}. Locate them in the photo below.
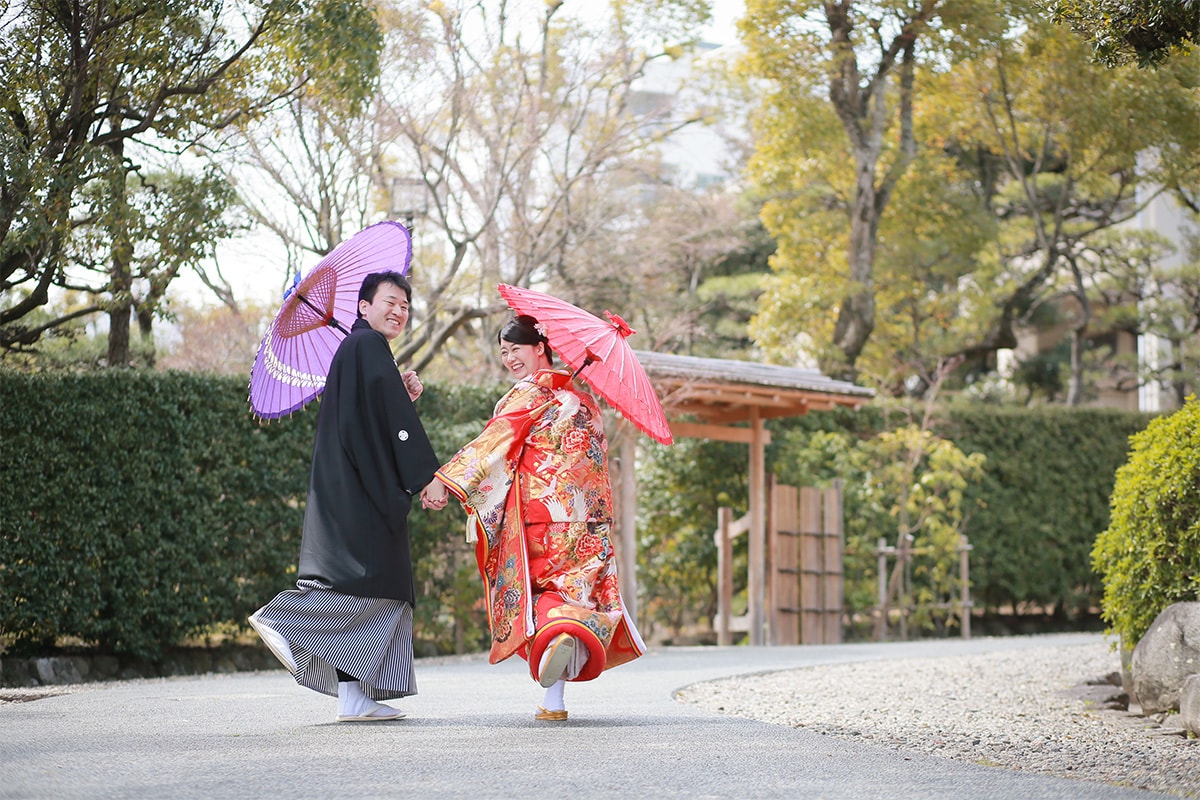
{"type": "Point", "coordinates": [535, 483]}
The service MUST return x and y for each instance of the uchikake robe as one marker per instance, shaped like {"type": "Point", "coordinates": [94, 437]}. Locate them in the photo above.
{"type": "Point", "coordinates": [536, 484]}
{"type": "Point", "coordinates": [370, 456]}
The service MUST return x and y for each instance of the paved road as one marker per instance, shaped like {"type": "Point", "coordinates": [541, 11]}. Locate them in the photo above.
{"type": "Point", "coordinates": [471, 733]}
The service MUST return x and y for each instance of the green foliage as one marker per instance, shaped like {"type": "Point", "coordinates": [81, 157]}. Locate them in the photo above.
{"type": "Point", "coordinates": [448, 616]}
{"type": "Point", "coordinates": [141, 508]}
{"type": "Point", "coordinates": [1044, 494]}
{"type": "Point", "coordinates": [1149, 556]}
{"type": "Point", "coordinates": [902, 483]}
{"type": "Point", "coordinates": [1025, 152]}
{"type": "Point", "coordinates": [1147, 32]}
{"type": "Point", "coordinates": [1031, 517]}
{"type": "Point", "coordinates": [144, 508]}
{"type": "Point", "coordinates": [680, 489]}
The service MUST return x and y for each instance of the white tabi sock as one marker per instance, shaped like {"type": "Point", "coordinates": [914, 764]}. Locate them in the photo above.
{"type": "Point", "coordinates": [354, 705]}
{"type": "Point", "coordinates": [275, 642]}
{"type": "Point", "coordinates": [578, 660]}
{"type": "Point", "coordinates": [351, 699]}
{"type": "Point", "coordinates": [553, 701]}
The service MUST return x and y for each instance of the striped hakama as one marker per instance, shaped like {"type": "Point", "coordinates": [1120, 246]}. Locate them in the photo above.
{"type": "Point", "coordinates": [369, 638]}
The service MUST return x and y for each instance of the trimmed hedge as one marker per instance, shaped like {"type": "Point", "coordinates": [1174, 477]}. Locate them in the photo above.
{"type": "Point", "coordinates": [1043, 499]}
{"type": "Point", "coordinates": [143, 508]}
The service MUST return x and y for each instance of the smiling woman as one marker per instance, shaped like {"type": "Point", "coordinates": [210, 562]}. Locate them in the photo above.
{"type": "Point", "coordinates": [535, 485]}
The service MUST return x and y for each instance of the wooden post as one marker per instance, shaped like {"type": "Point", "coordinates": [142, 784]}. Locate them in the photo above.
{"type": "Point", "coordinates": [964, 577]}
{"type": "Point", "coordinates": [785, 565]}
{"type": "Point", "coordinates": [881, 549]}
{"type": "Point", "coordinates": [627, 557]}
{"type": "Point", "coordinates": [812, 566]}
{"type": "Point", "coordinates": [756, 583]}
{"type": "Point", "coordinates": [833, 578]}
{"type": "Point", "coordinates": [724, 574]}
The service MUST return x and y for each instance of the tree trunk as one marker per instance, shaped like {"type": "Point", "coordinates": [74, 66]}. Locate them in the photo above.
{"type": "Point", "coordinates": [1075, 386]}
{"type": "Point", "coordinates": [121, 276]}
{"type": "Point", "coordinates": [1078, 340]}
{"type": "Point", "coordinates": [1178, 380]}
{"type": "Point", "coordinates": [145, 320]}
{"type": "Point", "coordinates": [864, 114]}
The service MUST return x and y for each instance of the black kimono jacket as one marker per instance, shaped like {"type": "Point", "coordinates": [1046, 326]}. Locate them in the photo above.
{"type": "Point", "coordinates": [370, 457]}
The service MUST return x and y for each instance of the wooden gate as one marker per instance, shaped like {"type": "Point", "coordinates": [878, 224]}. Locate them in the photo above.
{"type": "Point", "coordinates": [804, 532]}
{"type": "Point", "coordinates": [803, 595]}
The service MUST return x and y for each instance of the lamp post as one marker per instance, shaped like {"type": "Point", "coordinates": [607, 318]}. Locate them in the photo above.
{"type": "Point", "coordinates": [409, 200]}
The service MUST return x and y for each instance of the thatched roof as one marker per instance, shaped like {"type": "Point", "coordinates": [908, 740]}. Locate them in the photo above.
{"type": "Point", "coordinates": [722, 391]}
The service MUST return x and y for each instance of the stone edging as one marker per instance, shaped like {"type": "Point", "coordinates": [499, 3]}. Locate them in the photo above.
{"type": "Point", "coordinates": [86, 668]}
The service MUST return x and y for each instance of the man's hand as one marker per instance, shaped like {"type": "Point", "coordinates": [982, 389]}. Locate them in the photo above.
{"type": "Point", "coordinates": [434, 496]}
{"type": "Point", "coordinates": [413, 384]}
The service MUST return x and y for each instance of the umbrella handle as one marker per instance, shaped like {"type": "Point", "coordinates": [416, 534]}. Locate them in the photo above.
{"type": "Point", "coordinates": [329, 320]}
{"type": "Point", "coordinates": [589, 358]}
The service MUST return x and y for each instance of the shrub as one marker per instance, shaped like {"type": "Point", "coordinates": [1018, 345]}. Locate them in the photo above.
{"type": "Point", "coordinates": [142, 509]}
{"type": "Point", "coordinates": [1149, 557]}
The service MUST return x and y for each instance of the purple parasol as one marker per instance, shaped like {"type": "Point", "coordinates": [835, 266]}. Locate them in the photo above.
{"type": "Point", "coordinates": [317, 313]}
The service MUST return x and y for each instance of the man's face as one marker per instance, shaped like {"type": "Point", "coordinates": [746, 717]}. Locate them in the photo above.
{"type": "Point", "coordinates": [388, 312]}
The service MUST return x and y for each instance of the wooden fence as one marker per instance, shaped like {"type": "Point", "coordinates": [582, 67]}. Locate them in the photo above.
{"type": "Point", "coordinates": [895, 602]}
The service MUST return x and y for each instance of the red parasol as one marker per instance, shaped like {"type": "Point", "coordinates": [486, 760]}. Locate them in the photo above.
{"type": "Point", "coordinates": [599, 353]}
{"type": "Point", "coordinates": [317, 313]}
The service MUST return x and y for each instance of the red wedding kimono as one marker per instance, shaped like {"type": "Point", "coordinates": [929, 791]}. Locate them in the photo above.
{"type": "Point", "coordinates": [535, 483]}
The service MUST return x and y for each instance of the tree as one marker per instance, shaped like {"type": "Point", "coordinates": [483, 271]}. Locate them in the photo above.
{"type": "Point", "coordinates": [1026, 151]}
{"type": "Point", "coordinates": [1145, 32]}
{"type": "Point", "coordinates": [685, 270]}
{"type": "Point", "coordinates": [318, 148]}
{"type": "Point", "coordinates": [214, 340]}
{"type": "Point", "coordinates": [1138, 289]}
{"type": "Point", "coordinates": [864, 57]}
{"type": "Point", "coordinates": [1058, 162]}
{"type": "Point", "coordinates": [89, 92]}
{"type": "Point", "coordinates": [529, 139]}
{"type": "Point", "coordinates": [521, 127]}
{"type": "Point", "coordinates": [928, 241]}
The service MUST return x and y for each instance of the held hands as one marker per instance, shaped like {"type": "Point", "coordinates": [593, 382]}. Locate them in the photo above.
{"type": "Point", "coordinates": [434, 496]}
{"type": "Point", "coordinates": [413, 384]}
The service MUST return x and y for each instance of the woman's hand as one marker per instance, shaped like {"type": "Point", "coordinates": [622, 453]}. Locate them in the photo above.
{"type": "Point", "coordinates": [435, 495]}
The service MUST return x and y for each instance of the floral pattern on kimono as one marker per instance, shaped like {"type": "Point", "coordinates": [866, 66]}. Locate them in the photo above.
{"type": "Point", "coordinates": [536, 483]}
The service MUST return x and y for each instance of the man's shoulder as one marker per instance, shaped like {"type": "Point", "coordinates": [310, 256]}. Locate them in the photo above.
{"type": "Point", "coordinates": [363, 349]}
{"type": "Point", "coordinates": [363, 337]}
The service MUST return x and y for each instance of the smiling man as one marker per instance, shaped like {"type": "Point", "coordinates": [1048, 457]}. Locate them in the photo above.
{"type": "Point", "coordinates": [346, 629]}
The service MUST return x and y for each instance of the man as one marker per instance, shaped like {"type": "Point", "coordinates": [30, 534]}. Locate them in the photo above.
{"type": "Point", "coordinates": [346, 629]}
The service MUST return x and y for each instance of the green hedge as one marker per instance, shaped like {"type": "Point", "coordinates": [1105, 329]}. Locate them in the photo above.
{"type": "Point", "coordinates": [143, 508]}
{"type": "Point", "coordinates": [1044, 497]}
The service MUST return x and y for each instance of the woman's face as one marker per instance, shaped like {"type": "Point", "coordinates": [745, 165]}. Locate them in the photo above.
{"type": "Point", "coordinates": [522, 360]}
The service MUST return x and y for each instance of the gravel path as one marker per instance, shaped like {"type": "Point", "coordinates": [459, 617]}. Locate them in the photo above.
{"type": "Point", "coordinates": [1010, 710]}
